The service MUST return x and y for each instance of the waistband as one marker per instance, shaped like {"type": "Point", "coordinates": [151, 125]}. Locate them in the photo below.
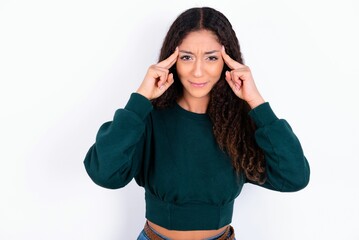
{"type": "Point", "coordinates": [191, 216]}
{"type": "Point", "coordinates": [228, 234]}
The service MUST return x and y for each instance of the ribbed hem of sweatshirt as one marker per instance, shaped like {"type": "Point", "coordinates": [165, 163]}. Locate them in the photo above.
{"type": "Point", "coordinates": [189, 216]}
{"type": "Point", "coordinates": [139, 105]}
{"type": "Point", "coordinates": [263, 115]}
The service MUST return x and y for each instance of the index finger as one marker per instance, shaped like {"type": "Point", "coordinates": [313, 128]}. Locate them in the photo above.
{"type": "Point", "coordinates": [168, 62]}
{"type": "Point", "coordinates": [229, 61]}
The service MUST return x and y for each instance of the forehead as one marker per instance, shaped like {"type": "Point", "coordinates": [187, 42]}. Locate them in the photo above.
{"type": "Point", "coordinates": [202, 39]}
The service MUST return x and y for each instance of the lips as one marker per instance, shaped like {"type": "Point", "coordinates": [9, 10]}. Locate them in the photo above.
{"type": "Point", "coordinates": [198, 85]}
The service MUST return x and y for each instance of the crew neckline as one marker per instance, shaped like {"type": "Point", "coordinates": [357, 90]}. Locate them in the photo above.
{"type": "Point", "coordinates": [183, 112]}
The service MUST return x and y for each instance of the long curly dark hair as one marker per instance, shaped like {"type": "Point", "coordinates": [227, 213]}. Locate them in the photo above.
{"type": "Point", "coordinates": [232, 127]}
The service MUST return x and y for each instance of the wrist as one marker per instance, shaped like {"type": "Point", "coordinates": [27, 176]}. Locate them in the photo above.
{"type": "Point", "coordinates": [143, 94]}
{"type": "Point", "coordinates": [256, 102]}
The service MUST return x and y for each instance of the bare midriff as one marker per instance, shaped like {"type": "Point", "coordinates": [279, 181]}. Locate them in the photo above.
{"type": "Point", "coordinates": [185, 235]}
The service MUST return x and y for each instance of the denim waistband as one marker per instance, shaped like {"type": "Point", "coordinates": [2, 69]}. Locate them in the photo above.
{"type": "Point", "coordinates": [227, 234]}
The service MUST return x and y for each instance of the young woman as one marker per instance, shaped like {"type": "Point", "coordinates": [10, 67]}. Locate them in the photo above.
{"type": "Point", "coordinates": [194, 132]}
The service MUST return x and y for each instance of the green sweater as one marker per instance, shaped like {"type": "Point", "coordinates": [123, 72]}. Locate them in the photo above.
{"type": "Point", "coordinates": [189, 182]}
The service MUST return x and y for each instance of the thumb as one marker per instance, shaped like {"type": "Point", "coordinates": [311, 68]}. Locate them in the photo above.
{"type": "Point", "coordinates": [167, 83]}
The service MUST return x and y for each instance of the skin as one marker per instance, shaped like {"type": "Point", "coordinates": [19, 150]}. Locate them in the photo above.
{"type": "Point", "coordinates": [199, 67]}
{"type": "Point", "coordinates": [241, 81]}
{"type": "Point", "coordinates": [199, 62]}
{"type": "Point", "coordinates": [158, 79]}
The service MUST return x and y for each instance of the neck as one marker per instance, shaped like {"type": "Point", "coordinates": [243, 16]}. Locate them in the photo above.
{"type": "Point", "coordinates": [196, 105]}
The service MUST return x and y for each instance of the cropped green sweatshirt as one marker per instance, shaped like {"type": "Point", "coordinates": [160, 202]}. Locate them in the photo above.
{"type": "Point", "coordinates": [189, 182]}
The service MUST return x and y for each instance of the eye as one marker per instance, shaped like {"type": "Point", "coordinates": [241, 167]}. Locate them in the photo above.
{"type": "Point", "coordinates": [212, 58]}
{"type": "Point", "coordinates": [185, 57]}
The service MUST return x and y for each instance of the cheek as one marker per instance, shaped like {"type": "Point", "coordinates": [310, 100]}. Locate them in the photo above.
{"type": "Point", "coordinates": [216, 70]}
{"type": "Point", "coordinates": [181, 69]}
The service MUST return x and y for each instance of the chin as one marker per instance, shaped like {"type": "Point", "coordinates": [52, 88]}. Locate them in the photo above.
{"type": "Point", "coordinates": [198, 94]}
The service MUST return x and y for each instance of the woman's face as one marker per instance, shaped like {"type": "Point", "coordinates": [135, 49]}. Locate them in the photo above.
{"type": "Point", "coordinates": [199, 65]}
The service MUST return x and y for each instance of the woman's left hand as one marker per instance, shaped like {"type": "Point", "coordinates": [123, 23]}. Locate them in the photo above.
{"type": "Point", "coordinates": [241, 81]}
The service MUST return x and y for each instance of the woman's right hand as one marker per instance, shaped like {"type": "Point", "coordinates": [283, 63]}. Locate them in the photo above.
{"type": "Point", "coordinates": [158, 78]}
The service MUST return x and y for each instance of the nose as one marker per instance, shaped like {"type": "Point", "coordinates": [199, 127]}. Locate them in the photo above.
{"type": "Point", "coordinates": [198, 68]}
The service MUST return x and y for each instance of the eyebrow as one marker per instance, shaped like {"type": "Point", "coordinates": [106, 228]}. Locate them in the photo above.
{"type": "Point", "coordinates": [209, 52]}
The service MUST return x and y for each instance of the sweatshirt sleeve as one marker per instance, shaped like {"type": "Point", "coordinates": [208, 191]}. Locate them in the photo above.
{"type": "Point", "coordinates": [115, 157]}
{"type": "Point", "coordinates": [287, 169]}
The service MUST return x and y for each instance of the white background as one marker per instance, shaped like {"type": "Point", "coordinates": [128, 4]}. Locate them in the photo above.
{"type": "Point", "coordinates": [66, 66]}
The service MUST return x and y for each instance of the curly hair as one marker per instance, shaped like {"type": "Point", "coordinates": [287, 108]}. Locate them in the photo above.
{"type": "Point", "coordinates": [232, 127]}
